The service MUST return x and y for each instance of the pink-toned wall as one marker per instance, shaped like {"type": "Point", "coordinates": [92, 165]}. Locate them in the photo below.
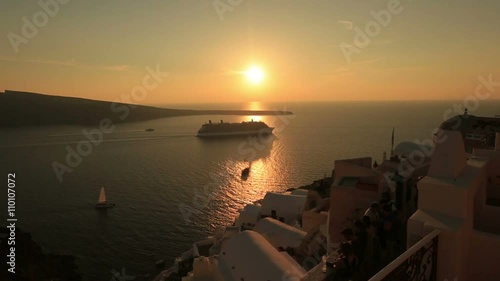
{"type": "Point", "coordinates": [493, 191]}
{"type": "Point", "coordinates": [311, 219]}
{"type": "Point", "coordinates": [458, 215]}
{"type": "Point", "coordinates": [494, 169]}
{"type": "Point", "coordinates": [326, 204]}
{"type": "Point", "coordinates": [484, 256]}
{"type": "Point", "coordinates": [363, 162]}
{"type": "Point", "coordinates": [321, 203]}
{"type": "Point", "coordinates": [346, 169]}
{"type": "Point", "coordinates": [488, 220]}
{"type": "Point", "coordinates": [493, 165]}
{"type": "Point", "coordinates": [432, 194]}
{"type": "Point", "coordinates": [478, 204]}
{"type": "Point", "coordinates": [343, 202]}
{"type": "Point", "coordinates": [464, 252]}
{"type": "Point", "coordinates": [451, 255]}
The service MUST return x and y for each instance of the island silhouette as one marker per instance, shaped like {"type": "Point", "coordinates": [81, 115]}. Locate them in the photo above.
{"type": "Point", "coordinates": [26, 109]}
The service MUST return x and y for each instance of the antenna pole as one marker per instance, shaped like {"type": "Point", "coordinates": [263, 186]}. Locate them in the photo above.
{"type": "Point", "coordinates": [392, 143]}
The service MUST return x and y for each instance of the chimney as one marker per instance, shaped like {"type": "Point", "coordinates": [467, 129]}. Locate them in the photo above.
{"type": "Point", "coordinates": [449, 158]}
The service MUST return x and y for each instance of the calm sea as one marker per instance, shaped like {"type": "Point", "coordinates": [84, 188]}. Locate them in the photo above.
{"type": "Point", "coordinates": [157, 178]}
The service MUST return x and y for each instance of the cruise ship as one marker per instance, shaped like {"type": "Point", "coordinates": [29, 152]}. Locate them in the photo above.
{"type": "Point", "coordinates": [446, 201]}
{"type": "Point", "coordinates": [212, 129]}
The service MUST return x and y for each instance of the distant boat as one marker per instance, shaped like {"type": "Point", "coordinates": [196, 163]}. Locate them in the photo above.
{"type": "Point", "coordinates": [103, 203]}
{"type": "Point", "coordinates": [150, 130]}
{"type": "Point", "coordinates": [246, 172]}
{"type": "Point", "coordinates": [160, 263]}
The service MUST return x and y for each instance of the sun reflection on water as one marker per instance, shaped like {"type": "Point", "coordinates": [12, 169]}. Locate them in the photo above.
{"type": "Point", "coordinates": [268, 168]}
{"type": "Point", "coordinates": [237, 191]}
{"type": "Point", "coordinates": [254, 105]}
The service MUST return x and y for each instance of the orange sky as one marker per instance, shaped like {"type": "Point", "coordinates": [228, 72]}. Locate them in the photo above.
{"type": "Point", "coordinates": [416, 50]}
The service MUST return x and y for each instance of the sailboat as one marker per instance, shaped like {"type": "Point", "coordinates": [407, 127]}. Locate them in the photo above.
{"type": "Point", "coordinates": [103, 203]}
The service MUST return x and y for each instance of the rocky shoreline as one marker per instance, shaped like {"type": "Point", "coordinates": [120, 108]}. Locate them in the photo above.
{"type": "Point", "coordinates": [31, 263]}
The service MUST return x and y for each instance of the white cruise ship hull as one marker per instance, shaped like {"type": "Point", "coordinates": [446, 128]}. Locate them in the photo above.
{"type": "Point", "coordinates": [263, 132]}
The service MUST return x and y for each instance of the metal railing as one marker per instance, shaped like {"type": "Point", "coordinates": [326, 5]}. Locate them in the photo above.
{"type": "Point", "coordinates": [418, 263]}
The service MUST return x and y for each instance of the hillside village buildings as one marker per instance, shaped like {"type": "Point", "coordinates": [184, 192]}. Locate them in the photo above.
{"type": "Point", "coordinates": [449, 205]}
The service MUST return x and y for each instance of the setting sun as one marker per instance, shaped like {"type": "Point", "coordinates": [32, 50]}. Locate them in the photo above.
{"type": "Point", "coordinates": [255, 75]}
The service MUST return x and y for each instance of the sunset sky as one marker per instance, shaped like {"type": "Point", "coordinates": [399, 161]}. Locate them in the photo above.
{"type": "Point", "coordinates": [100, 49]}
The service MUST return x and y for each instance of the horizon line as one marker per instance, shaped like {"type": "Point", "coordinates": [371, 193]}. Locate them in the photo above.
{"type": "Point", "coordinates": [268, 101]}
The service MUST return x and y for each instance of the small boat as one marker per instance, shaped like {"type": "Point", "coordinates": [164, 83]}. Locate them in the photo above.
{"type": "Point", "coordinates": [160, 263]}
{"type": "Point", "coordinates": [102, 203]}
{"type": "Point", "coordinates": [245, 172]}
{"type": "Point", "coordinates": [150, 130]}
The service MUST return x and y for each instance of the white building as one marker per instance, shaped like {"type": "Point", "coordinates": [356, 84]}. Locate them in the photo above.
{"type": "Point", "coordinates": [285, 207]}
{"type": "Point", "coordinates": [249, 216]}
{"type": "Point", "coordinates": [279, 234]}
{"type": "Point", "coordinates": [456, 223]}
{"type": "Point", "coordinates": [248, 256]}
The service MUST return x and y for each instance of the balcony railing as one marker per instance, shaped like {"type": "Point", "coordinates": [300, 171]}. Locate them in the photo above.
{"type": "Point", "coordinates": [418, 263]}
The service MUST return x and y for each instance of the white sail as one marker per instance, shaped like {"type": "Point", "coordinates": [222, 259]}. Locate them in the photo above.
{"type": "Point", "coordinates": [102, 197]}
